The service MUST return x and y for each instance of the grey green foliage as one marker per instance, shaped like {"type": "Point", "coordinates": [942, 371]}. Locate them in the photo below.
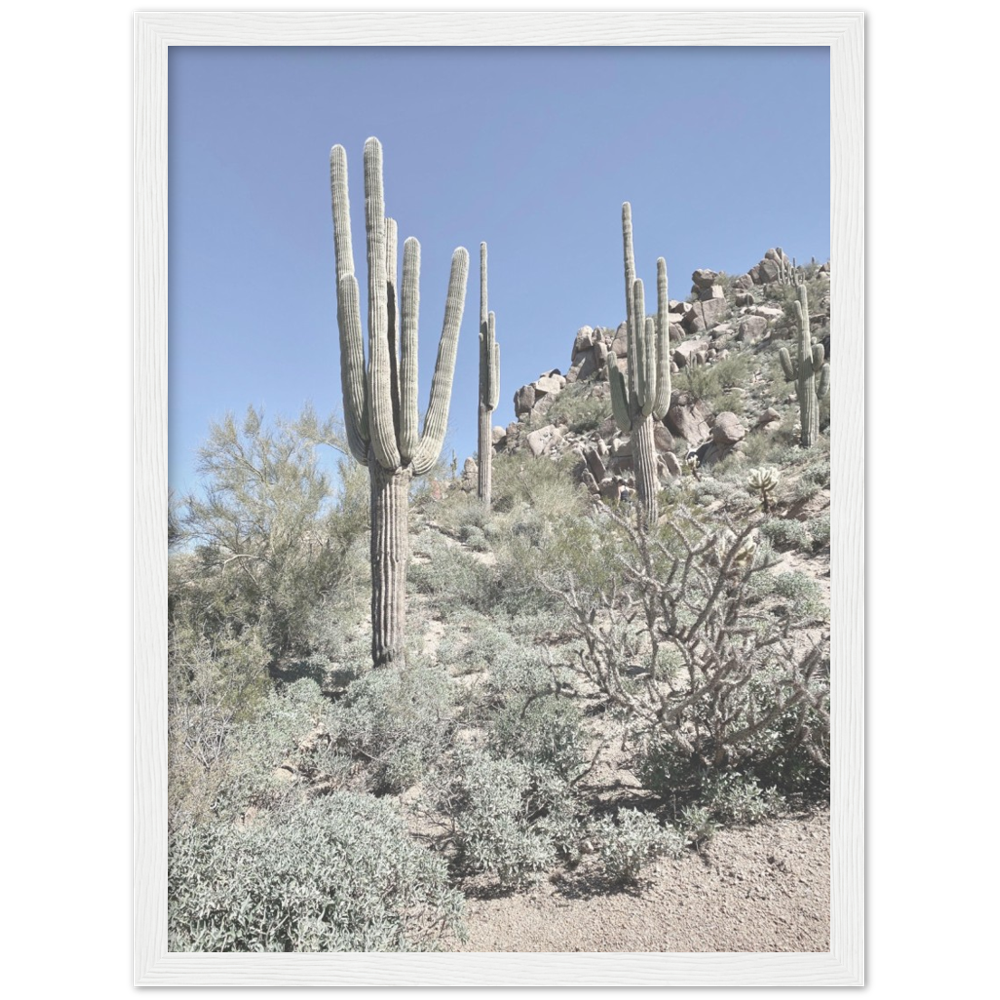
{"type": "Point", "coordinates": [810, 371]}
{"type": "Point", "coordinates": [338, 874]}
{"type": "Point", "coordinates": [631, 841]}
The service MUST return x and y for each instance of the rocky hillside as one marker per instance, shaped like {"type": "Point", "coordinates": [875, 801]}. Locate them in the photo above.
{"type": "Point", "coordinates": [727, 387]}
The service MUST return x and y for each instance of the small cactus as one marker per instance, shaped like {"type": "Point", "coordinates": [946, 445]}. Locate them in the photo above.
{"type": "Point", "coordinates": [764, 482]}
{"type": "Point", "coordinates": [645, 398]}
{"type": "Point", "coordinates": [810, 372]}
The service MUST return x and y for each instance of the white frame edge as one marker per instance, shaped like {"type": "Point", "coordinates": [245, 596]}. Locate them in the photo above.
{"type": "Point", "coordinates": [843, 32]}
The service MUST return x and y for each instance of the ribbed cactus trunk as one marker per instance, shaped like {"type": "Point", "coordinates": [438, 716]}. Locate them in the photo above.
{"type": "Point", "coordinates": [390, 489]}
{"type": "Point", "coordinates": [489, 384]}
{"type": "Point", "coordinates": [810, 372]}
{"type": "Point", "coordinates": [645, 398]}
{"type": "Point", "coordinates": [380, 402]}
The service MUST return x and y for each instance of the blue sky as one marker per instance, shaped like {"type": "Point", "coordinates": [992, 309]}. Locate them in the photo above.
{"type": "Point", "coordinates": [723, 152]}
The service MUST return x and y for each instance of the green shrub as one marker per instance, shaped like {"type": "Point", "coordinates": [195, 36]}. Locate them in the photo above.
{"type": "Point", "coordinates": [396, 723]}
{"type": "Point", "coordinates": [510, 818]}
{"type": "Point", "coordinates": [543, 729]}
{"type": "Point", "coordinates": [733, 798]}
{"type": "Point", "coordinates": [633, 841]}
{"type": "Point", "coordinates": [578, 407]}
{"type": "Point", "coordinates": [801, 596]}
{"type": "Point", "coordinates": [819, 530]}
{"type": "Point", "coordinates": [338, 874]}
{"type": "Point", "coordinates": [787, 533]}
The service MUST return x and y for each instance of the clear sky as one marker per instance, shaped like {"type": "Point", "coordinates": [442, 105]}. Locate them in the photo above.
{"type": "Point", "coordinates": [723, 153]}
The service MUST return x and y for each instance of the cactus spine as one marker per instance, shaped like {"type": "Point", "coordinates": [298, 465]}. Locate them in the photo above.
{"type": "Point", "coordinates": [380, 402]}
{"type": "Point", "coordinates": [810, 372]}
{"type": "Point", "coordinates": [645, 398]}
{"type": "Point", "coordinates": [489, 383]}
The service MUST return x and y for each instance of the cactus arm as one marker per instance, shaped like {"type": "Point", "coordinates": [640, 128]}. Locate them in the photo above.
{"type": "Point", "coordinates": [409, 418]}
{"type": "Point", "coordinates": [637, 345]}
{"type": "Point", "coordinates": [790, 370]}
{"type": "Point", "coordinates": [341, 214]}
{"type": "Point", "coordinates": [823, 381]}
{"type": "Point", "coordinates": [436, 420]}
{"type": "Point", "coordinates": [483, 301]}
{"type": "Point", "coordinates": [352, 368]}
{"type": "Point", "coordinates": [619, 396]}
{"type": "Point", "coordinates": [381, 425]}
{"type": "Point", "coordinates": [392, 312]}
{"type": "Point", "coordinates": [649, 367]}
{"type": "Point", "coordinates": [493, 395]}
{"type": "Point", "coordinates": [663, 387]}
{"type": "Point", "coordinates": [818, 357]}
{"type": "Point", "coordinates": [629, 260]}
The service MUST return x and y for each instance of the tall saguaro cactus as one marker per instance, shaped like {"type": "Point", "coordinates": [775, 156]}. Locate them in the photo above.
{"type": "Point", "coordinates": [489, 384]}
{"type": "Point", "coordinates": [810, 372]}
{"type": "Point", "coordinates": [380, 402]}
{"type": "Point", "coordinates": [645, 398]}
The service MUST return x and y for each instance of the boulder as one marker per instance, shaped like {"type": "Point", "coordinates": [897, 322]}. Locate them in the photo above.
{"type": "Point", "coordinates": [548, 384]}
{"type": "Point", "coordinates": [751, 329]}
{"type": "Point", "coordinates": [619, 343]}
{"type": "Point", "coordinates": [769, 271]}
{"type": "Point", "coordinates": [584, 339]}
{"type": "Point", "coordinates": [744, 299]}
{"type": "Point", "coordinates": [594, 464]}
{"type": "Point", "coordinates": [714, 292]}
{"type": "Point", "coordinates": [541, 440]}
{"type": "Point", "coordinates": [688, 418]}
{"type": "Point", "coordinates": [769, 416]}
{"type": "Point", "coordinates": [768, 312]}
{"type": "Point", "coordinates": [499, 434]}
{"type": "Point", "coordinates": [676, 332]}
{"type": "Point", "coordinates": [704, 315]}
{"type": "Point", "coordinates": [670, 463]}
{"type": "Point", "coordinates": [727, 429]}
{"type": "Point", "coordinates": [663, 439]}
{"type": "Point", "coordinates": [743, 283]}
{"type": "Point", "coordinates": [754, 273]}
{"type": "Point", "coordinates": [683, 352]}
{"type": "Point", "coordinates": [704, 278]}
{"type": "Point", "coordinates": [524, 400]}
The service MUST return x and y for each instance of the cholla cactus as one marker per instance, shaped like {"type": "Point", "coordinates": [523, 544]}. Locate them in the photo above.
{"type": "Point", "coordinates": [646, 396]}
{"type": "Point", "coordinates": [764, 482]}
{"type": "Point", "coordinates": [489, 384]}
{"type": "Point", "coordinates": [810, 372]}
{"type": "Point", "coordinates": [380, 402]}
{"type": "Point", "coordinates": [742, 556]}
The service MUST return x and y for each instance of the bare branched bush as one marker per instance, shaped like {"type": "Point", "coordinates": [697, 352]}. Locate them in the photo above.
{"type": "Point", "coordinates": [715, 673]}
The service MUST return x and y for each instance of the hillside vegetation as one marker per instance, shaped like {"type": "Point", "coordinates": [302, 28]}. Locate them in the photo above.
{"type": "Point", "coordinates": [583, 696]}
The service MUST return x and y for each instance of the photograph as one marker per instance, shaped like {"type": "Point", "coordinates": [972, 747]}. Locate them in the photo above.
{"type": "Point", "coordinates": [499, 605]}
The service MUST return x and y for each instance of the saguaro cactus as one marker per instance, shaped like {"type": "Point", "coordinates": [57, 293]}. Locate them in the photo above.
{"type": "Point", "coordinates": [380, 402]}
{"type": "Point", "coordinates": [489, 384]}
{"type": "Point", "coordinates": [810, 372]}
{"type": "Point", "coordinates": [646, 396]}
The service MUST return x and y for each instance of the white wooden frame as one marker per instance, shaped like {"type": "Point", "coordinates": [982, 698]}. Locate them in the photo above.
{"type": "Point", "coordinates": [843, 32]}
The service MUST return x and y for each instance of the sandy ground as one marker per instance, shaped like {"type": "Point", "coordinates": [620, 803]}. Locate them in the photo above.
{"type": "Point", "coordinates": [764, 888]}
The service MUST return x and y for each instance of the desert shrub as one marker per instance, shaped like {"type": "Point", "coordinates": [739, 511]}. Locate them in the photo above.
{"type": "Point", "coordinates": [542, 729]}
{"type": "Point", "coordinates": [396, 723]}
{"type": "Point", "coordinates": [266, 536]}
{"type": "Point", "coordinates": [704, 659]}
{"type": "Point", "coordinates": [338, 874]}
{"type": "Point", "coordinates": [578, 407]}
{"type": "Point", "coordinates": [509, 817]}
{"type": "Point", "coordinates": [819, 530]}
{"type": "Point", "coordinates": [697, 824]}
{"type": "Point", "coordinates": [631, 842]}
{"type": "Point", "coordinates": [733, 798]}
{"type": "Point", "coordinates": [801, 597]}
{"type": "Point", "coordinates": [475, 538]}
{"type": "Point", "coordinates": [787, 533]}
{"type": "Point", "coordinates": [450, 575]}
{"type": "Point", "coordinates": [713, 381]}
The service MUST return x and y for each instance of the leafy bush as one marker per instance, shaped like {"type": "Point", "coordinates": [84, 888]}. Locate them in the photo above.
{"type": "Point", "coordinates": [635, 839]}
{"type": "Point", "coordinates": [509, 817]}
{"type": "Point", "coordinates": [338, 874]}
{"type": "Point", "coordinates": [543, 729]}
{"type": "Point", "coordinates": [787, 533]}
{"type": "Point", "coordinates": [396, 722]}
{"type": "Point", "coordinates": [819, 530]}
{"type": "Point", "coordinates": [578, 407]}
